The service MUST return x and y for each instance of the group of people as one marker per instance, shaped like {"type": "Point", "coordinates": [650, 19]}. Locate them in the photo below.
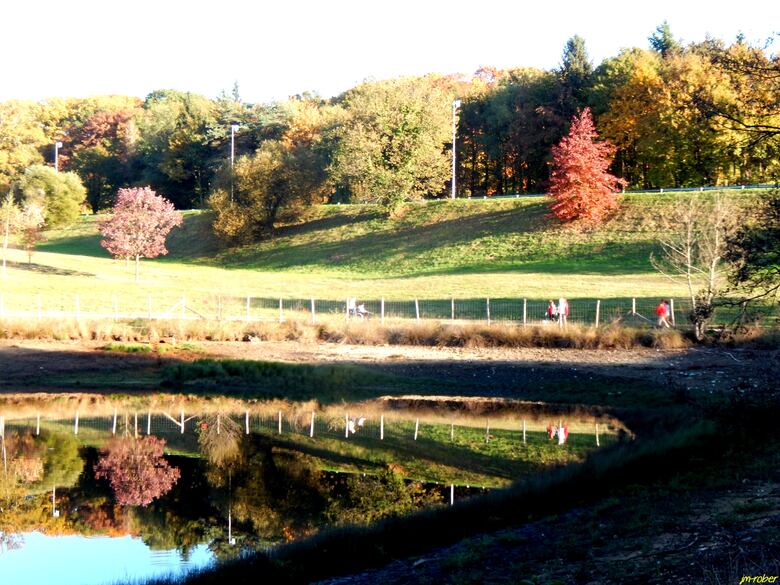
{"type": "Point", "coordinates": [559, 432]}
{"type": "Point", "coordinates": [663, 311]}
{"type": "Point", "coordinates": [558, 312]}
{"type": "Point", "coordinates": [355, 309]}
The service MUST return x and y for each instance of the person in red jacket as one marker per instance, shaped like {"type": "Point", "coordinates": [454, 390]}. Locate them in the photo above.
{"type": "Point", "coordinates": [663, 314]}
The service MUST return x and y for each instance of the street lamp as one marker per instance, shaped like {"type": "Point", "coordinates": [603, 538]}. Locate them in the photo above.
{"type": "Point", "coordinates": [57, 146]}
{"type": "Point", "coordinates": [233, 130]}
{"type": "Point", "coordinates": [455, 106]}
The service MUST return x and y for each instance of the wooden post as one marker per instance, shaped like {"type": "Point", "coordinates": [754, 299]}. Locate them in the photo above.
{"type": "Point", "coordinates": [671, 308]}
{"type": "Point", "coordinates": [280, 422]}
{"type": "Point", "coordinates": [182, 422]}
{"type": "Point", "coordinates": [452, 309]}
{"type": "Point", "coordinates": [346, 425]}
{"type": "Point", "coordinates": [38, 425]}
{"type": "Point", "coordinates": [417, 309]}
{"type": "Point", "coordinates": [281, 311]}
{"type": "Point", "coordinates": [598, 311]}
{"type": "Point", "coordinates": [76, 424]}
{"type": "Point", "coordinates": [633, 306]}
{"type": "Point", "coordinates": [416, 428]}
{"type": "Point", "coordinates": [246, 422]}
{"type": "Point", "coordinates": [452, 432]}
{"type": "Point", "coordinates": [382, 428]}
{"type": "Point", "coordinates": [488, 312]}
{"type": "Point", "coordinates": [382, 310]}
{"type": "Point", "coordinates": [313, 312]}
{"type": "Point", "coordinates": [525, 312]}
{"type": "Point", "coordinates": [219, 420]}
{"type": "Point", "coordinates": [452, 494]}
{"type": "Point", "coordinates": [78, 308]}
{"type": "Point", "coordinates": [248, 303]}
{"type": "Point", "coordinates": [149, 423]}
{"type": "Point", "coordinates": [113, 428]}
{"type": "Point", "coordinates": [487, 432]}
{"type": "Point", "coordinates": [597, 435]}
{"type": "Point", "coordinates": [523, 431]}
{"type": "Point", "coordinates": [311, 428]}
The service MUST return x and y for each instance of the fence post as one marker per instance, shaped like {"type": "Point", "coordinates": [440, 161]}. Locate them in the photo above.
{"type": "Point", "coordinates": [523, 431]}
{"type": "Point", "coordinates": [633, 306]}
{"type": "Point", "coordinates": [598, 311]}
{"type": "Point", "coordinates": [281, 311]}
{"type": "Point", "coordinates": [487, 431]}
{"type": "Point", "coordinates": [182, 422]}
{"type": "Point", "coordinates": [416, 428]}
{"type": "Point", "coordinates": [382, 427]}
{"type": "Point", "coordinates": [313, 312]}
{"type": "Point", "coordinates": [525, 311]}
{"type": "Point", "coordinates": [38, 424]}
{"type": "Point", "coordinates": [452, 309]}
{"type": "Point", "coordinates": [382, 310]}
{"type": "Point", "coordinates": [488, 312]}
{"type": "Point", "coordinates": [597, 435]}
{"type": "Point", "coordinates": [113, 428]}
{"type": "Point", "coordinates": [452, 494]}
{"type": "Point", "coordinates": [671, 307]}
{"type": "Point", "coordinates": [311, 429]}
{"type": "Point", "coordinates": [280, 422]}
{"type": "Point", "coordinates": [452, 432]}
{"type": "Point", "coordinates": [149, 423]}
{"type": "Point", "coordinates": [247, 307]}
{"type": "Point", "coordinates": [417, 310]}
{"type": "Point", "coordinates": [246, 422]}
{"type": "Point", "coordinates": [76, 424]}
{"type": "Point", "coordinates": [346, 425]}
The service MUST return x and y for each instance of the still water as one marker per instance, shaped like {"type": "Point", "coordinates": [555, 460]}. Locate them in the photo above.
{"type": "Point", "coordinates": [111, 499]}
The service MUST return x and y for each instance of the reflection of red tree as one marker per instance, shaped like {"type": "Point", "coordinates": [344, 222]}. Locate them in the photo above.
{"type": "Point", "coordinates": [137, 470]}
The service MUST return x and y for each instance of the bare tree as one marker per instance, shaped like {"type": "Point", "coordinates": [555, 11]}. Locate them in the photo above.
{"type": "Point", "coordinates": [694, 241]}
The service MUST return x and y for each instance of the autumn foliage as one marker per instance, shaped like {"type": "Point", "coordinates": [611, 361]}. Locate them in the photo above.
{"type": "Point", "coordinates": [136, 469]}
{"type": "Point", "coordinates": [581, 186]}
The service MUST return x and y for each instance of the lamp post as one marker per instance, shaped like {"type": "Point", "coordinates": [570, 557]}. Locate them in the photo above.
{"type": "Point", "coordinates": [57, 146]}
{"type": "Point", "coordinates": [455, 106]}
{"type": "Point", "coordinates": [233, 130]}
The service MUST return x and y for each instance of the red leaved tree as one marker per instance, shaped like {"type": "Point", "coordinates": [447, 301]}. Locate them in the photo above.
{"type": "Point", "coordinates": [136, 469]}
{"type": "Point", "coordinates": [581, 186]}
{"type": "Point", "coordinates": [140, 223]}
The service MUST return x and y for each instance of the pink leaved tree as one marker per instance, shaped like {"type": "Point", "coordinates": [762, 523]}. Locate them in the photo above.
{"type": "Point", "coordinates": [140, 223]}
{"type": "Point", "coordinates": [580, 184]}
{"type": "Point", "coordinates": [136, 469]}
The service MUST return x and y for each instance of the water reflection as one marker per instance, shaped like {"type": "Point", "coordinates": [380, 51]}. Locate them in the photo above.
{"type": "Point", "coordinates": [190, 495]}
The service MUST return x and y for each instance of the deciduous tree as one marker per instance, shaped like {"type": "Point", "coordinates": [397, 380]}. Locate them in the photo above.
{"type": "Point", "coordinates": [581, 186]}
{"type": "Point", "coordinates": [136, 469]}
{"type": "Point", "coordinates": [140, 223]}
{"type": "Point", "coordinates": [60, 195]}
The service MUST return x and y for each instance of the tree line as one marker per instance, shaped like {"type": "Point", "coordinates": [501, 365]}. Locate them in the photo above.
{"type": "Point", "coordinates": [704, 113]}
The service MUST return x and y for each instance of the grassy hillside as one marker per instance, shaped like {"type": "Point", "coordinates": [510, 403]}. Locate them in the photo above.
{"type": "Point", "coordinates": [440, 249]}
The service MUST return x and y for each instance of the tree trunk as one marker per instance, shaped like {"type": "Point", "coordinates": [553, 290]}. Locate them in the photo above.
{"type": "Point", "coordinates": [137, 262]}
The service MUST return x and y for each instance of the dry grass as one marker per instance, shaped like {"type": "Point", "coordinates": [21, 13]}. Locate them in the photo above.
{"type": "Point", "coordinates": [423, 333]}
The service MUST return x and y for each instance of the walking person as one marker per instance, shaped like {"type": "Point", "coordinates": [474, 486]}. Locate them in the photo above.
{"type": "Point", "coordinates": [662, 312]}
{"type": "Point", "coordinates": [552, 311]}
{"type": "Point", "coordinates": [563, 312]}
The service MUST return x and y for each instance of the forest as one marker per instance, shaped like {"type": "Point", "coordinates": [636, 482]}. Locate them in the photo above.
{"type": "Point", "coordinates": [707, 113]}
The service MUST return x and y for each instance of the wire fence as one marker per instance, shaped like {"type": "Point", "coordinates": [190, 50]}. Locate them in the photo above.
{"type": "Point", "coordinates": [170, 306]}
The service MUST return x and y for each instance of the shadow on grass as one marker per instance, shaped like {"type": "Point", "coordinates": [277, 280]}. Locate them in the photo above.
{"type": "Point", "coordinates": [47, 270]}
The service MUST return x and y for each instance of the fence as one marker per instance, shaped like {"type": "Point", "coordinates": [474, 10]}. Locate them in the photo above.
{"type": "Point", "coordinates": [166, 306]}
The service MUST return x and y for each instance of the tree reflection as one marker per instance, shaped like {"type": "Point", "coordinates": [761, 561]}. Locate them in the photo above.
{"type": "Point", "coordinates": [136, 469]}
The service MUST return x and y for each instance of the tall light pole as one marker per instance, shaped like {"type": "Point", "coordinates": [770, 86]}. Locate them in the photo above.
{"type": "Point", "coordinates": [455, 106]}
{"type": "Point", "coordinates": [57, 146]}
{"type": "Point", "coordinates": [233, 130]}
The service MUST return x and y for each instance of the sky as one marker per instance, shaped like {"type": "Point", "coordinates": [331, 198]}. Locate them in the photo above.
{"type": "Point", "coordinates": [273, 50]}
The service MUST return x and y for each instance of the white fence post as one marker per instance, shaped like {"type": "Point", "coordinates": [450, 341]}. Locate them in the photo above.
{"type": "Point", "coordinates": [76, 424]}
{"type": "Point", "coordinates": [182, 422]}
{"type": "Point", "coordinates": [382, 310]}
{"type": "Point", "coordinates": [598, 311]}
{"type": "Point", "coordinates": [597, 435]}
{"type": "Point", "coordinates": [488, 311]}
{"type": "Point", "coordinates": [149, 423]}
{"type": "Point", "coordinates": [281, 311]}
{"type": "Point", "coordinates": [417, 309]}
{"type": "Point", "coordinates": [280, 422]}
{"type": "Point", "coordinates": [346, 425]}
{"type": "Point", "coordinates": [525, 312]}
{"type": "Point", "coordinates": [452, 494]}
{"type": "Point", "coordinates": [452, 309]}
{"type": "Point", "coordinates": [313, 312]}
{"type": "Point", "coordinates": [38, 424]}
{"type": "Point", "coordinates": [671, 308]}
{"type": "Point", "coordinates": [113, 428]}
{"type": "Point", "coordinates": [382, 427]}
{"type": "Point", "coordinates": [246, 422]}
{"type": "Point", "coordinates": [311, 428]}
{"type": "Point", "coordinates": [487, 432]}
{"type": "Point", "coordinates": [416, 428]}
{"type": "Point", "coordinates": [633, 306]}
{"type": "Point", "coordinates": [248, 302]}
